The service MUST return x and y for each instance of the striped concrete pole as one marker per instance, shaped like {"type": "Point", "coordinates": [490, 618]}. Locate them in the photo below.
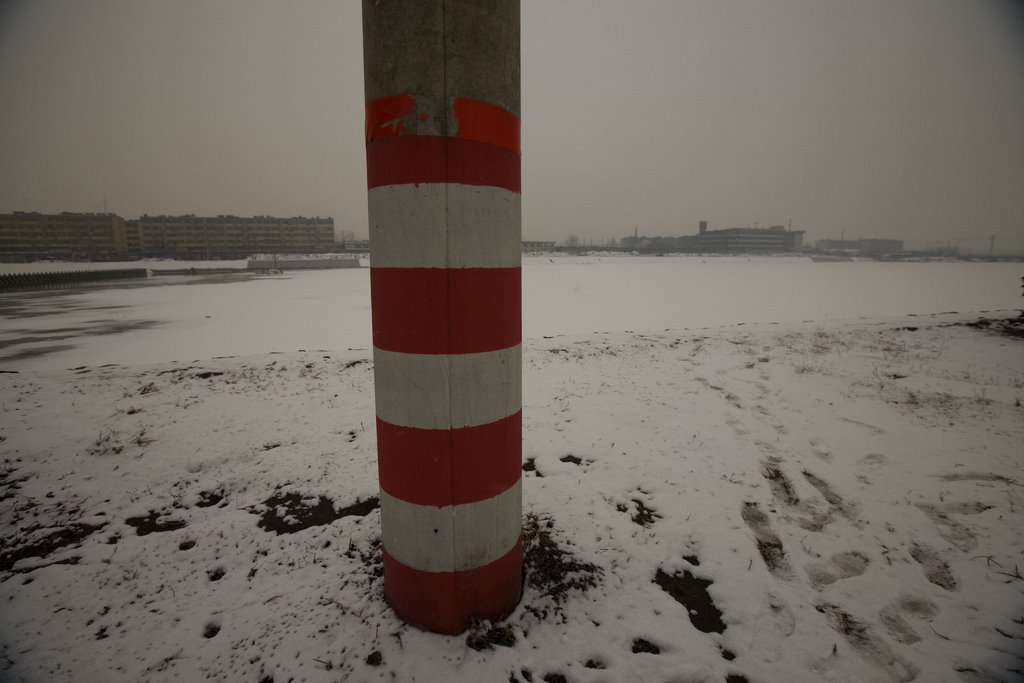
{"type": "Point", "coordinates": [443, 169]}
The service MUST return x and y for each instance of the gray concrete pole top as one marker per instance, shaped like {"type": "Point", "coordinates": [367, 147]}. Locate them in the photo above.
{"type": "Point", "coordinates": [436, 50]}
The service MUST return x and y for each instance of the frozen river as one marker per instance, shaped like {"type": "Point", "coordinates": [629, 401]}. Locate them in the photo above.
{"type": "Point", "coordinates": [182, 318]}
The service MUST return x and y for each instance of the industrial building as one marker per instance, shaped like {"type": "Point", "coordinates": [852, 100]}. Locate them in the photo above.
{"type": "Point", "coordinates": [26, 236]}
{"type": "Point", "coordinates": [774, 240]}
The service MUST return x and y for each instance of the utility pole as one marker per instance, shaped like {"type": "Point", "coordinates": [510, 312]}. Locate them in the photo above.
{"type": "Point", "coordinates": [442, 91]}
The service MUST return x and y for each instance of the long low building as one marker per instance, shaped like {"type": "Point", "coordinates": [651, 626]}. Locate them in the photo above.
{"type": "Point", "coordinates": [861, 247]}
{"type": "Point", "coordinates": [29, 236]}
{"type": "Point", "coordinates": [229, 237]}
{"type": "Point", "coordinates": [774, 240]}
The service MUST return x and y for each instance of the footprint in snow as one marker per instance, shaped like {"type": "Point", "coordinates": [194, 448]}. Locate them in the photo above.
{"type": "Point", "coordinates": [768, 543]}
{"type": "Point", "coordinates": [870, 427]}
{"type": "Point", "coordinates": [781, 486]}
{"type": "Point", "coordinates": [840, 566]}
{"type": "Point", "coordinates": [892, 617]}
{"type": "Point", "coordinates": [867, 644]}
{"type": "Point", "coordinates": [935, 568]}
{"type": "Point", "coordinates": [951, 530]}
{"type": "Point", "coordinates": [847, 510]}
{"type": "Point", "coordinates": [978, 476]}
{"type": "Point", "coordinates": [784, 492]}
{"type": "Point", "coordinates": [820, 449]}
{"type": "Point", "coordinates": [737, 426]}
{"type": "Point", "coordinates": [873, 460]}
{"type": "Point", "coordinates": [782, 614]}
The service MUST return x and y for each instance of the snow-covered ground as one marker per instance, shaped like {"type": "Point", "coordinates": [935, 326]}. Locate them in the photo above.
{"type": "Point", "coordinates": [245, 314]}
{"type": "Point", "coordinates": [780, 500]}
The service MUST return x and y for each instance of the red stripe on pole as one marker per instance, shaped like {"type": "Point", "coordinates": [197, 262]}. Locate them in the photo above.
{"type": "Point", "coordinates": [442, 467]}
{"type": "Point", "coordinates": [416, 159]}
{"type": "Point", "coordinates": [446, 310]}
{"type": "Point", "coordinates": [484, 122]}
{"type": "Point", "coordinates": [448, 602]}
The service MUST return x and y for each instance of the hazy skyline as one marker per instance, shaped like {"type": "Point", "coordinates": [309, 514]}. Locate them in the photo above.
{"type": "Point", "coordinates": [863, 119]}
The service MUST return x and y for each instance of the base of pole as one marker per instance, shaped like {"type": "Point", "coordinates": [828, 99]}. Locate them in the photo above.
{"type": "Point", "coordinates": [449, 602]}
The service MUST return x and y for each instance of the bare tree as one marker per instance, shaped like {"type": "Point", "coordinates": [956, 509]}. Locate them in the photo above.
{"type": "Point", "coordinates": [572, 241]}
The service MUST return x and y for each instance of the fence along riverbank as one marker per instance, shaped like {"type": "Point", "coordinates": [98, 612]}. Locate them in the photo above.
{"type": "Point", "coordinates": [55, 280]}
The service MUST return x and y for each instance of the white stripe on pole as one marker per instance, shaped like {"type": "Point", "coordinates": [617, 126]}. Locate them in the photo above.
{"type": "Point", "coordinates": [447, 391]}
{"type": "Point", "coordinates": [455, 537]}
{"type": "Point", "coordinates": [408, 227]}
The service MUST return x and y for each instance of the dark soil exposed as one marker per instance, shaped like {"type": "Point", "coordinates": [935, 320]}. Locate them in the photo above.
{"type": "Point", "coordinates": [1011, 327]}
{"type": "Point", "coordinates": [60, 537]}
{"type": "Point", "coordinates": [152, 523]}
{"type": "Point", "coordinates": [692, 593]}
{"type": "Point", "coordinates": [531, 466]}
{"type": "Point", "coordinates": [551, 570]}
{"type": "Point", "coordinates": [287, 513]}
{"type": "Point", "coordinates": [209, 498]}
{"type": "Point", "coordinates": [486, 640]}
{"type": "Point", "coordinates": [644, 515]}
{"type": "Point", "coordinates": [641, 645]}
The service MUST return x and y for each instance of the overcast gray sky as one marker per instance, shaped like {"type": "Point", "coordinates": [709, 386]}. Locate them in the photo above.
{"type": "Point", "coordinates": [863, 118]}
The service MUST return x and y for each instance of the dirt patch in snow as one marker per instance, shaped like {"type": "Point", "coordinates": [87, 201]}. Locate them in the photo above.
{"type": "Point", "coordinates": [154, 523]}
{"type": "Point", "coordinates": [644, 516]}
{"type": "Point", "coordinates": [11, 552]}
{"type": "Point", "coordinates": [209, 498]}
{"type": "Point", "coordinates": [481, 639]}
{"type": "Point", "coordinates": [286, 513]}
{"type": "Point", "coordinates": [552, 570]}
{"type": "Point", "coordinates": [1011, 327]}
{"type": "Point", "coordinates": [692, 593]}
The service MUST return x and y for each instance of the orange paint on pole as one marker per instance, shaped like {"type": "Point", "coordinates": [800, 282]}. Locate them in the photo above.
{"type": "Point", "coordinates": [386, 116]}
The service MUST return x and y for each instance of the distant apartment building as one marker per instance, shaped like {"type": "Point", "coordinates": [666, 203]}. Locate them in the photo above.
{"type": "Point", "coordinates": [536, 245]}
{"type": "Point", "coordinates": [228, 237]}
{"type": "Point", "coordinates": [28, 236]}
{"type": "Point", "coordinates": [863, 247]}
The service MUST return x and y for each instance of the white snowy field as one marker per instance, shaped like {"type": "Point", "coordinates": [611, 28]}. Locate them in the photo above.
{"type": "Point", "coordinates": [244, 314]}
{"type": "Point", "coordinates": [778, 500]}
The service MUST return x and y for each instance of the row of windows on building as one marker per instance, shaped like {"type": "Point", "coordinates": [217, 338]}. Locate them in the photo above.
{"type": "Point", "coordinates": [109, 237]}
{"type": "Point", "coordinates": [773, 240]}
